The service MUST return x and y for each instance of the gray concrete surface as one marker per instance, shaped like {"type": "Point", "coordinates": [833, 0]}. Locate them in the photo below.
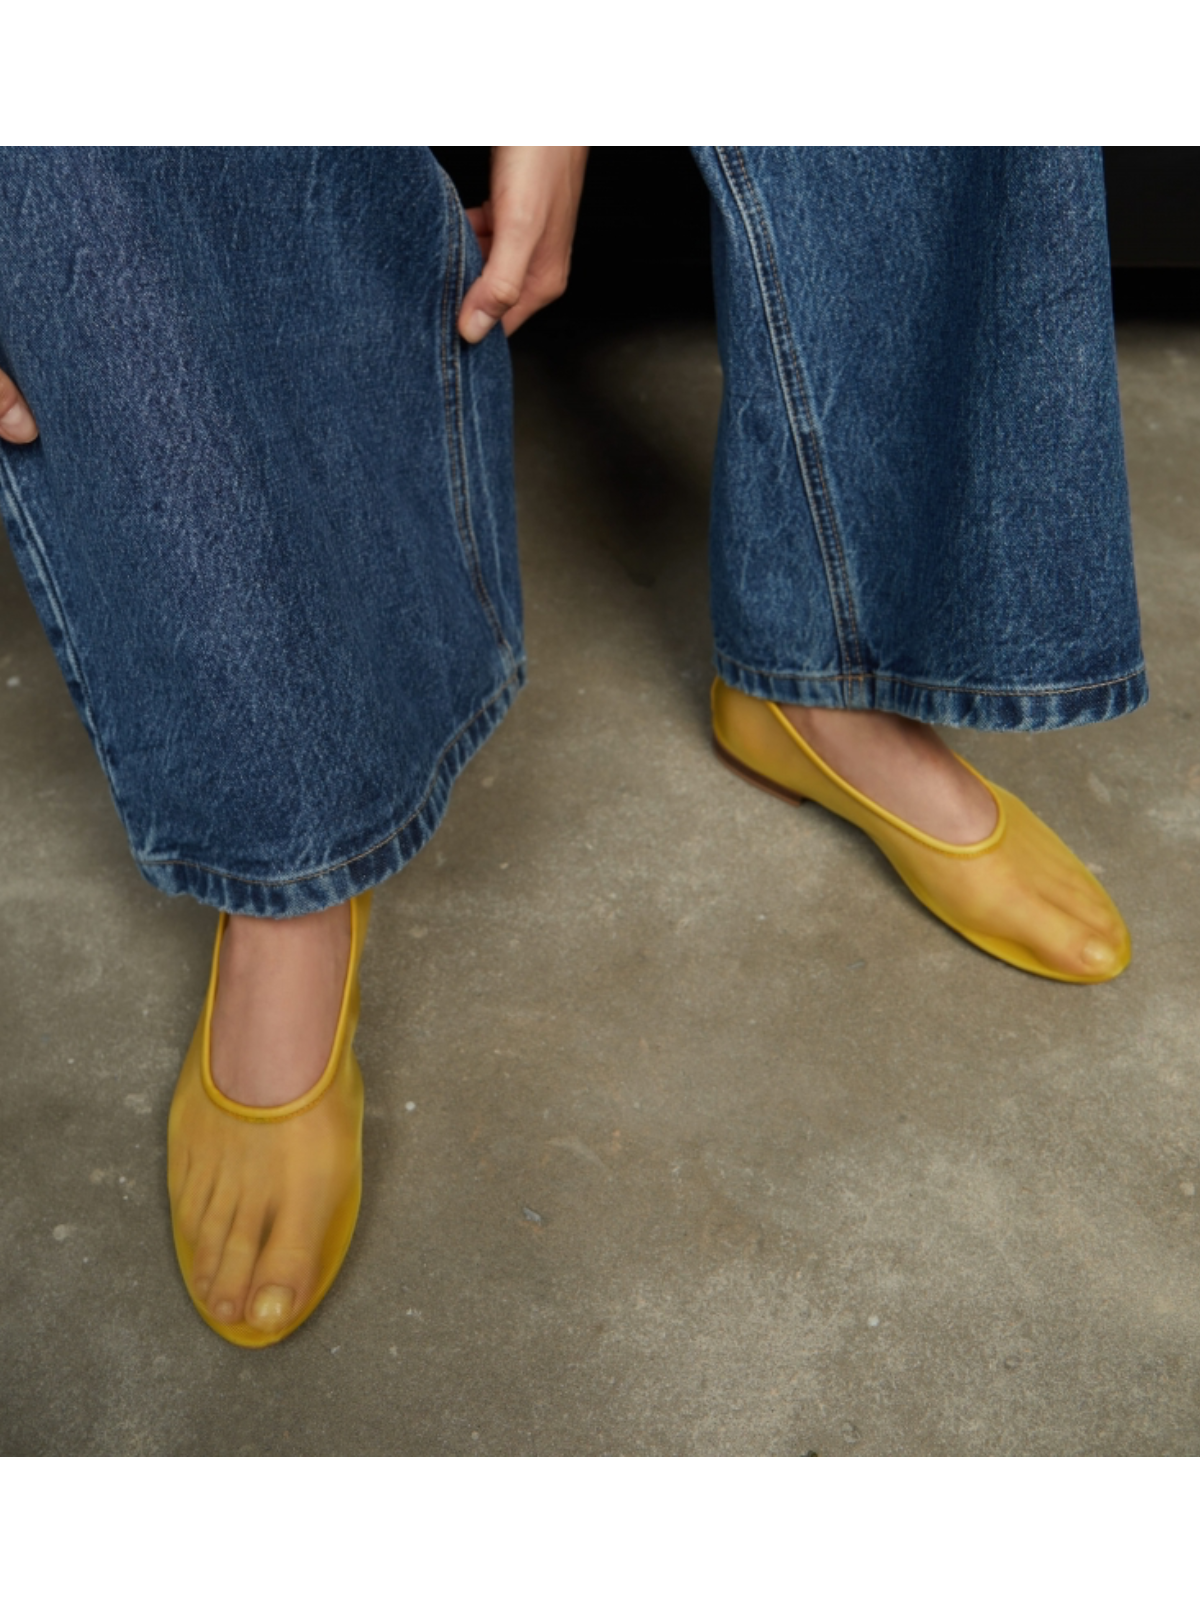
{"type": "Point", "coordinates": [717, 1142]}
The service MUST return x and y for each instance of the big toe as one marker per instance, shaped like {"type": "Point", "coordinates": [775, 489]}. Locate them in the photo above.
{"type": "Point", "coordinates": [1101, 957]}
{"type": "Point", "coordinates": [271, 1307]}
{"type": "Point", "coordinates": [283, 1284]}
{"type": "Point", "coordinates": [1067, 944]}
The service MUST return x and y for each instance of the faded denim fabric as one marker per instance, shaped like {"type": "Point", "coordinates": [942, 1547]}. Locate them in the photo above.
{"type": "Point", "coordinates": [919, 501]}
{"type": "Point", "coordinates": [269, 523]}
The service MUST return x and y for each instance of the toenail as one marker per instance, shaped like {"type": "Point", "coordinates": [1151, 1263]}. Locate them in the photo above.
{"type": "Point", "coordinates": [224, 1311]}
{"type": "Point", "coordinates": [273, 1303]}
{"type": "Point", "coordinates": [1098, 954]}
{"type": "Point", "coordinates": [202, 1286]}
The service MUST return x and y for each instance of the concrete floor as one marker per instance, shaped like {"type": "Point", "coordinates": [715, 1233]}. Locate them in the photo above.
{"type": "Point", "coordinates": [688, 1131]}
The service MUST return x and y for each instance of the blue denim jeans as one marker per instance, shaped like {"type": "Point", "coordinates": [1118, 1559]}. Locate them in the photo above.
{"type": "Point", "coordinates": [269, 522]}
{"type": "Point", "coordinates": [919, 501]}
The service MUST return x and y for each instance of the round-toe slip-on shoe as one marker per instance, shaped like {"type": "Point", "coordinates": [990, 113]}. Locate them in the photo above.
{"type": "Point", "coordinates": [756, 740]}
{"type": "Point", "coordinates": [313, 1140]}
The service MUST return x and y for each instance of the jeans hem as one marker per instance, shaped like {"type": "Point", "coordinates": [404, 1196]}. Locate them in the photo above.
{"type": "Point", "coordinates": [1003, 710]}
{"type": "Point", "coordinates": [330, 886]}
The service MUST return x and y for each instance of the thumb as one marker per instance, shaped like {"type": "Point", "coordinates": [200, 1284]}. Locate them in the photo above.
{"type": "Point", "coordinates": [499, 285]}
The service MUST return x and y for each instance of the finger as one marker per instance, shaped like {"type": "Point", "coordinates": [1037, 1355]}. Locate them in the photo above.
{"type": "Point", "coordinates": [498, 287]}
{"type": "Point", "coordinates": [542, 286]}
{"type": "Point", "coordinates": [16, 419]}
{"type": "Point", "coordinates": [480, 218]}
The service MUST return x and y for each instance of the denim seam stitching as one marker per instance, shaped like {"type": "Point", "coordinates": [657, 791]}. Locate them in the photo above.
{"type": "Point", "coordinates": [918, 683]}
{"type": "Point", "coordinates": [337, 866]}
{"type": "Point", "coordinates": [33, 543]}
{"type": "Point", "coordinates": [794, 388]}
{"type": "Point", "coordinates": [451, 364]}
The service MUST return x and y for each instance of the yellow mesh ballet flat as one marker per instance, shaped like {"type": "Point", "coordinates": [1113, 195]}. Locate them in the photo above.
{"type": "Point", "coordinates": [280, 1183]}
{"type": "Point", "coordinates": [972, 888]}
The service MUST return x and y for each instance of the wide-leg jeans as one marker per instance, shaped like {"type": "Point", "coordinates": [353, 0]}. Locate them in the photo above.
{"type": "Point", "coordinates": [269, 522]}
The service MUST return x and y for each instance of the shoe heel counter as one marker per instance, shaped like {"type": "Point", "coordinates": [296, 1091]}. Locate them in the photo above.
{"type": "Point", "coordinates": [749, 732]}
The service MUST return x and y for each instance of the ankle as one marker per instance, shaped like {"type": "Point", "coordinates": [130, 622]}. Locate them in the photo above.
{"type": "Point", "coordinates": [903, 766]}
{"type": "Point", "coordinates": [279, 994]}
{"type": "Point", "coordinates": [880, 738]}
{"type": "Point", "coordinates": [274, 938]}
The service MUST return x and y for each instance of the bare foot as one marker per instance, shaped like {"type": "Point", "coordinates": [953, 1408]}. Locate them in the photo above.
{"type": "Point", "coordinates": [1031, 891]}
{"type": "Point", "coordinates": [903, 766]}
{"type": "Point", "coordinates": [256, 1201]}
{"type": "Point", "coordinates": [277, 1006]}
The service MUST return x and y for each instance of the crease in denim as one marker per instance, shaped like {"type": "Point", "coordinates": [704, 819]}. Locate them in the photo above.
{"type": "Point", "coordinates": [452, 384]}
{"type": "Point", "coordinates": [794, 391]}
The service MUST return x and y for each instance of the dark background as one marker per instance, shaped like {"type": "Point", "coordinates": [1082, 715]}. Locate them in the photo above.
{"type": "Point", "coordinates": [641, 249]}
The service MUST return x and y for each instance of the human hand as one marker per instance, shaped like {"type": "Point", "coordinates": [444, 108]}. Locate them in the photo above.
{"type": "Point", "coordinates": [16, 419]}
{"type": "Point", "coordinates": [524, 229]}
